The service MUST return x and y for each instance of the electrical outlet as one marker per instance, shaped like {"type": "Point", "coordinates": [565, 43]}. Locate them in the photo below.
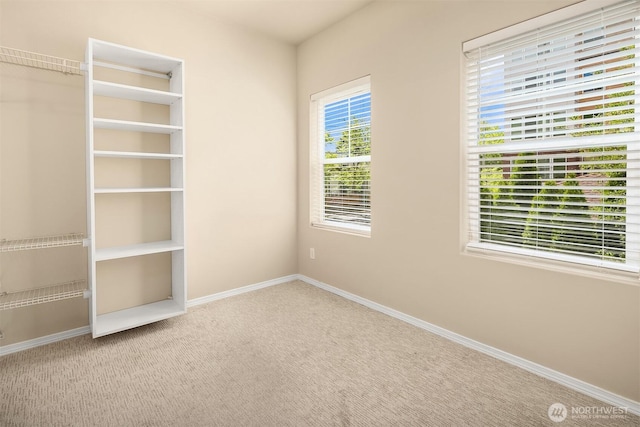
{"type": "Point", "coordinates": [312, 253]}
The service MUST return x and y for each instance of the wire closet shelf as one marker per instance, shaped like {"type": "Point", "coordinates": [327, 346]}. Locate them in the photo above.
{"type": "Point", "coordinates": [57, 292]}
{"type": "Point", "coordinates": [38, 60]}
{"type": "Point", "coordinates": [70, 239]}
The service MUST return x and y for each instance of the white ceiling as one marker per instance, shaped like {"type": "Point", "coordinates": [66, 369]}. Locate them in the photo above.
{"type": "Point", "coordinates": [291, 21]}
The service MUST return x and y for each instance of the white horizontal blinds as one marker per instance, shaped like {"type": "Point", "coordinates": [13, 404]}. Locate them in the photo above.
{"type": "Point", "coordinates": [347, 154]}
{"type": "Point", "coordinates": [342, 153]}
{"type": "Point", "coordinates": [552, 140]}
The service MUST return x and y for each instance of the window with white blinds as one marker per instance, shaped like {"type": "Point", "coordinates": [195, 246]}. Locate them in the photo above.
{"type": "Point", "coordinates": [340, 158]}
{"type": "Point", "coordinates": [553, 140]}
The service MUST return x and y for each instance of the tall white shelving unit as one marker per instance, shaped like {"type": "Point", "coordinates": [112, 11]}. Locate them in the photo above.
{"type": "Point", "coordinates": [126, 64]}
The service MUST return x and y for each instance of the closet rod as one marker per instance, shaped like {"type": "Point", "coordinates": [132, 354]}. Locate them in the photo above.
{"type": "Point", "coordinates": [38, 60]}
{"type": "Point", "coordinates": [132, 70]}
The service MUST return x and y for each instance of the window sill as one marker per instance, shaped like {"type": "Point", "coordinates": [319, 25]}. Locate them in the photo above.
{"type": "Point", "coordinates": [589, 271]}
{"type": "Point", "coordinates": [343, 228]}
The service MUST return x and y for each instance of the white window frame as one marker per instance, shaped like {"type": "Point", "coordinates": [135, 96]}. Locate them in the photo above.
{"type": "Point", "coordinates": [317, 158]}
{"type": "Point", "coordinates": [620, 273]}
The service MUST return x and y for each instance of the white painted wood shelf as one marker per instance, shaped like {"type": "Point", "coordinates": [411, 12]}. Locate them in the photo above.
{"type": "Point", "coordinates": [130, 126]}
{"type": "Point", "coordinates": [104, 254]}
{"type": "Point", "coordinates": [134, 93]}
{"type": "Point", "coordinates": [104, 55]}
{"type": "Point", "coordinates": [136, 155]}
{"type": "Point", "coordinates": [140, 60]}
{"type": "Point", "coordinates": [121, 320]}
{"type": "Point", "coordinates": [116, 190]}
{"type": "Point", "coordinates": [57, 292]}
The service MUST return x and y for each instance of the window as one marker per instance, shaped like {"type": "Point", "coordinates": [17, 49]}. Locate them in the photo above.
{"type": "Point", "coordinates": [552, 144]}
{"type": "Point", "coordinates": [340, 158]}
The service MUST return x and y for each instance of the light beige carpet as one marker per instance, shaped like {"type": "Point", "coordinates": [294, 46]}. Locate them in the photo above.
{"type": "Point", "coordinates": [287, 355]}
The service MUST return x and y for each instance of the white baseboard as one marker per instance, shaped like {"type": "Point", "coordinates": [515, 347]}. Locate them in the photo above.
{"type": "Point", "coordinates": [47, 339]}
{"type": "Point", "coordinates": [550, 374]}
{"type": "Point", "coordinates": [242, 290]}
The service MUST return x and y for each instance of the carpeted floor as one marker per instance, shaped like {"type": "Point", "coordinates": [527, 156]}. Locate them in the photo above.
{"type": "Point", "coordinates": [287, 355]}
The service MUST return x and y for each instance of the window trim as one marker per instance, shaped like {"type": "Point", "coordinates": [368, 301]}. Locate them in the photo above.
{"type": "Point", "coordinates": [598, 270]}
{"type": "Point", "coordinates": [316, 154]}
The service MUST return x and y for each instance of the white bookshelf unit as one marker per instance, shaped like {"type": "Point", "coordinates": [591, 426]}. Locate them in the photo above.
{"type": "Point", "coordinates": [134, 100]}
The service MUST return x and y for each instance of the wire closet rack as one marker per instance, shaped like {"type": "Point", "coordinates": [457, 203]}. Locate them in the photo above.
{"type": "Point", "coordinates": [57, 292]}
{"type": "Point", "coordinates": [70, 239]}
{"type": "Point", "coordinates": [41, 61]}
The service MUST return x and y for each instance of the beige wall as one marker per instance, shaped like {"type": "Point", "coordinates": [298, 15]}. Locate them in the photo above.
{"type": "Point", "coordinates": [586, 328]}
{"type": "Point", "coordinates": [240, 139]}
